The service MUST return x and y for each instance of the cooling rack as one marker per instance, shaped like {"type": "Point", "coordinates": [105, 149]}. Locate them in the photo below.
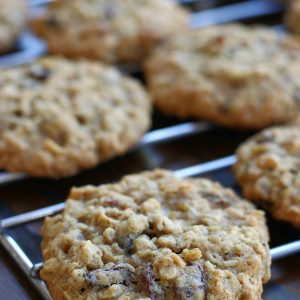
{"type": "Point", "coordinates": [32, 269]}
{"type": "Point", "coordinates": [208, 12]}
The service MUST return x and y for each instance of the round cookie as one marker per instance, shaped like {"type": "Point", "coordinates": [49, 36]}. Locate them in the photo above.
{"type": "Point", "coordinates": [267, 169]}
{"type": "Point", "coordinates": [236, 76]}
{"type": "Point", "coordinates": [12, 21]}
{"type": "Point", "coordinates": [292, 16]}
{"type": "Point", "coordinates": [113, 31]}
{"type": "Point", "coordinates": [154, 236]}
{"type": "Point", "coordinates": [58, 117]}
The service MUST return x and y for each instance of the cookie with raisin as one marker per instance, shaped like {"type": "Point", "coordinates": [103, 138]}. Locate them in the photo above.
{"type": "Point", "coordinates": [233, 75]}
{"type": "Point", "coordinates": [268, 167]}
{"type": "Point", "coordinates": [58, 116]}
{"type": "Point", "coordinates": [154, 236]}
{"type": "Point", "coordinates": [114, 31]}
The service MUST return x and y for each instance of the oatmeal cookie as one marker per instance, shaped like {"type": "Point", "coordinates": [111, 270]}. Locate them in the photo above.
{"type": "Point", "coordinates": [58, 116]}
{"type": "Point", "coordinates": [268, 168]}
{"type": "Point", "coordinates": [234, 75]}
{"type": "Point", "coordinates": [12, 20]}
{"type": "Point", "coordinates": [113, 31]}
{"type": "Point", "coordinates": [154, 236]}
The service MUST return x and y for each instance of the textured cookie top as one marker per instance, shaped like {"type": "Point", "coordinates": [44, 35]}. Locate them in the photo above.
{"type": "Point", "coordinates": [12, 20]}
{"type": "Point", "coordinates": [238, 76]}
{"type": "Point", "coordinates": [114, 31]}
{"type": "Point", "coordinates": [268, 169]}
{"type": "Point", "coordinates": [154, 236]}
{"type": "Point", "coordinates": [58, 116]}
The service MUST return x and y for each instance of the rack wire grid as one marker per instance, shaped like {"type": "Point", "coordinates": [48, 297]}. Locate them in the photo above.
{"type": "Point", "coordinates": [222, 12]}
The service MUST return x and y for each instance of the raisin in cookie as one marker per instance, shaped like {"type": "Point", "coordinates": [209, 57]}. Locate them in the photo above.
{"type": "Point", "coordinates": [268, 169]}
{"type": "Point", "coordinates": [58, 117]}
{"type": "Point", "coordinates": [154, 236]}
{"type": "Point", "coordinates": [237, 76]}
{"type": "Point", "coordinates": [12, 21]}
{"type": "Point", "coordinates": [113, 31]}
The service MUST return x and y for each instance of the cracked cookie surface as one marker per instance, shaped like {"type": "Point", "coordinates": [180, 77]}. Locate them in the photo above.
{"type": "Point", "coordinates": [267, 169]}
{"type": "Point", "coordinates": [58, 117]}
{"type": "Point", "coordinates": [234, 75]}
{"type": "Point", "coordinates": [114, 31]}
{"type": "Point", "coordinates": [13, 15]}
{"type": "Point", "coordinates": [154, 236]}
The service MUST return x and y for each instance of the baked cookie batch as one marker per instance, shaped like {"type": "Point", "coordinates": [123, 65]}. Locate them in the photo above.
{"type": "Point", "coordinates": [152, 235]}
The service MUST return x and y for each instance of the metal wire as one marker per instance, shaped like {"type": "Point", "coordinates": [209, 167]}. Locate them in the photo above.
{"type": "Point", "coordinates": [54, 209]}
{"type": "Point", "coordinates": [31, 48]}
{"type": "Point", "coordinates": [206, 167]}
{"type": "Point", "coordinates": [6, 177]}
{"type": "Point", "coordinates": [26, 265]}
{"type": "Point", "coordinates": [235, 12]}
{"type": "Point", "coordinates": [32, 270]}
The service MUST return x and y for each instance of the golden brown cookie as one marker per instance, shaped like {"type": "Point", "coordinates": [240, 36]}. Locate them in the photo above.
{"type": "Point", "coordinates": [12, 21]}
{"type": "Point", "coordinates": [113, 31]}
{"type": "Point", "coordinates": [154, 236]}
{"type": "Point", "coordinates": [58, 116]}
{"type": "Point", "coordinates": [233, 75]}
{"type": "Point", "coordinates": [268, 168]}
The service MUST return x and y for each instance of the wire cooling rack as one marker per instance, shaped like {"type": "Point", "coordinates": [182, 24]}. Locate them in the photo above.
{"type": "Point", "coordinates": [224, 11]}
{"type": "Point", "coordinates": [32, 269]}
